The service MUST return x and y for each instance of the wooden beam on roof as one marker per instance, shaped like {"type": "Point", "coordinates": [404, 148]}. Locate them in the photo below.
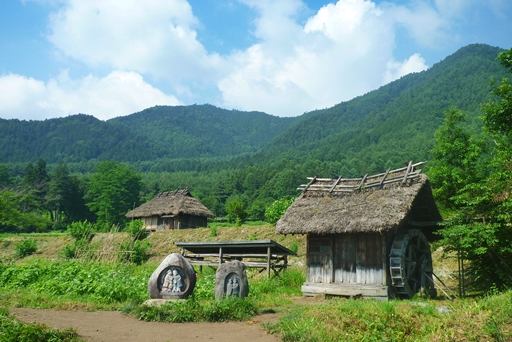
{"type": "Point", "coordinates": [384, 178]}
{"type": "Point", "coordinates": [409, 167]}
{"type": "Point", "coordinates": [335, 183]}
{"type": "Point", "coordinates": [362, 182]}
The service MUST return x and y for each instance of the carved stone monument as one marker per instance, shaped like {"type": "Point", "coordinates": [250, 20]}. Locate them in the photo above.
{"type": "Point", "coordinates": [174, 278]}
{"type": "Point", "coordinates": [231, 280]}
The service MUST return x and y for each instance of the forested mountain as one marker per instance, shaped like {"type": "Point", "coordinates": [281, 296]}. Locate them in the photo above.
{"type": "Point", "coordinates": [203, 130]}
{"type": "Point", "coordinates": [377, 130]}
{"type": "Point", "coordinates": [158, 132]}
{"type": "Point", "coordinates": [75, 138]}
{"type": "Point", "coordinates": [250, 158]}
{"type": "Point", "coordinates": [396, 122]}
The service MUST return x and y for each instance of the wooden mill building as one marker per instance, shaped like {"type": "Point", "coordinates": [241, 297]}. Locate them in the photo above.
{"type": "Point", "coordinates": [366, 236]}
{"type": "Point", "coordinates": [172, 210]}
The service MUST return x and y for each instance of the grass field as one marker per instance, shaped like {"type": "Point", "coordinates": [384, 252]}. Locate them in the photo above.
{"type": "Point", "coordinates": [46, 280]}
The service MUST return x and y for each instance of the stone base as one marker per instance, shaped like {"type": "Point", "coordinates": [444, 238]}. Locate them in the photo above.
{"type": "Point", "coordinates": [160, 302]}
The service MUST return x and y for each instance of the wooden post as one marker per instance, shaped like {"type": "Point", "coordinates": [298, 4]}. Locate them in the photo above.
{"type": "Point", "coordinates": [268, 262]}
{"type": "Point", "coordinates": [220, 256]}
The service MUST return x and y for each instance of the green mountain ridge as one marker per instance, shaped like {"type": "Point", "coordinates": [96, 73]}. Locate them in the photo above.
{"type": "Point", "coordinates": [380, 129]}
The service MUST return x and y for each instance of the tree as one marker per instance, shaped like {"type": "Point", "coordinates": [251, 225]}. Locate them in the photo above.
{"type": "Point", "coordinates": [455, 159]}
{"type": "Point", "coordinates": [113, 190]}
{"type": "Point", "coordinates": [65, 195]}
{"type": "Point", "coordinates": [274, 212]}
{"type": "Point", "coordinates": [236, 210]}
{"type": "Point", "coordinates": [13, 214]}
{"type": "Point", "coordinates": [480, 225]}
{"type": "Point", "coordinates": [5, 178]}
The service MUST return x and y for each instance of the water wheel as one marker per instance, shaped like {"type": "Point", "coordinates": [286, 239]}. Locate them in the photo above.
{"type": "Point", "coordinates": [410, 263]}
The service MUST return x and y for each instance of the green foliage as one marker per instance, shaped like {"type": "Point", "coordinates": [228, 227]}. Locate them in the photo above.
{"type": "Point", "coordinates": [191, 310]}
{"type": "Point", "coordinates": [274, 212]}
{"type": "Point", "coordinates": [352, 320]}
{"type": "Point", "coordinates": [14, 210]}
{"type": "Point", "coordinates": [81, 230]}
{"type": "Point", "coordinates": [479, 226]}
{"type": "Point", "coordinates": [236, 211]}
{"type": "Point", "coordinates": [72, 279]}
{"type": "Point", "coordinates": [25, 248]}
{"type": "Point", "coordinates": [14, 330]}
{"type": "Point", "coordinates": [136, 230]}
{"type": "Point", "coordinates": [135, 251]}
{"type": "Point", "coordinates": [113, 191]}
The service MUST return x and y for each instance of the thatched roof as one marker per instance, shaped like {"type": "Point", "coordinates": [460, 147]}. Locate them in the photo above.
{"type": "Point", "coordinates": [171, 203]}
{"type": "Point", "coordinates": [379, 203]}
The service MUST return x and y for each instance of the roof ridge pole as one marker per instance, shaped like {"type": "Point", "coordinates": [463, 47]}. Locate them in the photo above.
{"type": "Point", "coordinates": [409, 169]}
{"type": "Point", "coordinates": [335, 183]}
{"type": "Point", "coordinates": [362, 182]}
{"type": "Point", "coordinates": [384, 178]}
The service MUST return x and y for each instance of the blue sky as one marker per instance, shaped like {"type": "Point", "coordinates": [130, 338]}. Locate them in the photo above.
{"type": "Point", "coordinates": [110, 58]}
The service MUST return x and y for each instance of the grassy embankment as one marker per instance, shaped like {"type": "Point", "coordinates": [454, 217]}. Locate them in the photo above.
{"type": "Point", "coordinates": [44, 280]}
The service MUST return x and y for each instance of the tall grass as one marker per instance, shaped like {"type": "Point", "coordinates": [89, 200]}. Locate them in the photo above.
{"type": "Point", "coordinates": [488, 319]}
{"type": "Point", "coordinates": [74, 280]}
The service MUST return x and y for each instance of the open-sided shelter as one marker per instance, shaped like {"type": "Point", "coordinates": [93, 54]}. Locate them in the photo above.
{"type": "Point", "coordinates": [366, 236]}
{"type": "Point", "coordinates": [172, 210]}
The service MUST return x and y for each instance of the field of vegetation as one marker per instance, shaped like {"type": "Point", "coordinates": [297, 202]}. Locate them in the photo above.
{"type": "Point", "coordinates": [45, 279]}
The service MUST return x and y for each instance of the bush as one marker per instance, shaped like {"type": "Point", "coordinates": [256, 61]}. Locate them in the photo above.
{"type": "Point", "coordinates": [136, 230]}
{"type": "Point", "coordinates": [274, 212]}
{"type": "Point", "coordinates": [25, 248]}
{"type": "Point", "coordinates": [81, 230]}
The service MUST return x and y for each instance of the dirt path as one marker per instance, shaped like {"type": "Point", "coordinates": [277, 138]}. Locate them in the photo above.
{"type": "Point", "coordinates": [113, 326]}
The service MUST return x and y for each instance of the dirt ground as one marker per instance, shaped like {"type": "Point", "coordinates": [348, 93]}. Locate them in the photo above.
{"type": "Point", "coordinates": [113, 326]}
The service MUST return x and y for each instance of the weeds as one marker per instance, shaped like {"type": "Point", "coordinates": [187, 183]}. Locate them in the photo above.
{"type": "Point", "coordinates": [25, 248]}
{"type": "Point", "coordinates": [14, 330]}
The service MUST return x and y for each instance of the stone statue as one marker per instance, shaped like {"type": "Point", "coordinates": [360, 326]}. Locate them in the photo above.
{"type": "Point", "coordinates": [177, 283]}
{"type": "Point", "coordinates": [235, 288]}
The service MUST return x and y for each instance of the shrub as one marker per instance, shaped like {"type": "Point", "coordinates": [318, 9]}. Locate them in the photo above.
{"type": "Point", "coordinates": [136, 230]}
{"type": "Point", "coordinates": [80, 230]}
{"type": "Point", "coordinates": [25, 248]}
{"type": "Point", "coordinates": [274, 212]}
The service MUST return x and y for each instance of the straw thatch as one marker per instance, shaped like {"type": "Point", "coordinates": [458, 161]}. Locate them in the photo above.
{"type": "Point", "coordinates": [347, 206]}
{"type": "Point", "coordinates": [171, 203]}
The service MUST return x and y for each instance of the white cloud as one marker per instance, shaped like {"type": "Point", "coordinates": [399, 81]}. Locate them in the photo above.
{"type": "Point", "coordinates": [341, 52]}
{"type": "Point", "coordinates": [156, 37]}
{"type": "Point", "coordinates": [344, 50]}
{"type": "Point", "coordinates": [119, 93]}
{"type": "Point", "coordinates": [395, 70]}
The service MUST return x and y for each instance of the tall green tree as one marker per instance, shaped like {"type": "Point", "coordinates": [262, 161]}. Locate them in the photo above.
{"type": "Point", "coordinates": [65, 196]}
{"type": "Point", "coordinates": [480, 224]}
{"type": "Point", "coordinates": [13, 212]}
{"type": "Point", "coordinates": [5, 177]}
{"type": "Point", "coordinates": [113, 190]}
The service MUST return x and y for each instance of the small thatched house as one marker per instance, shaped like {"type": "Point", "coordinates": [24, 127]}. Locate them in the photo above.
{"type": "Point", "coordinates": [366, 236]}
{"type": "Point", "coordinates": [172, 210]}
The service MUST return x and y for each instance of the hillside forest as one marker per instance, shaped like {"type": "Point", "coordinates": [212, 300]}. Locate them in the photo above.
{"type": "Point", "coordinates": [457, 116]}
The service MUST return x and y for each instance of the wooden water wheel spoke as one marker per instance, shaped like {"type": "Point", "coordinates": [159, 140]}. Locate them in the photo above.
{"type": "Point", "coordinates": [413, 251]}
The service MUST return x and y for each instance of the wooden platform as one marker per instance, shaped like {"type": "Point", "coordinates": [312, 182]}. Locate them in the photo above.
{"type": "Point", "coordinates": [264, 254]}
{"type": "Point", "coordinates": [345, 290]}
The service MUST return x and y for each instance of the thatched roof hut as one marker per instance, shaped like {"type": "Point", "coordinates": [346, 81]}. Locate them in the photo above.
{"type": "Point", "coordinates": [172, 210]}
{"type": "Point", "coordinates": [360, 230]}
{"type": "Point", "coordinates": [368, 210]}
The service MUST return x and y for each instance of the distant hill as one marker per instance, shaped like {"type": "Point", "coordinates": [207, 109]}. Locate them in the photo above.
{"type": "Point", "coordinates": [372, 132]}
{"type": "Point", "coordinates": [158, 132]}
{"type": "Point", "coordinates": [203, 130]}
